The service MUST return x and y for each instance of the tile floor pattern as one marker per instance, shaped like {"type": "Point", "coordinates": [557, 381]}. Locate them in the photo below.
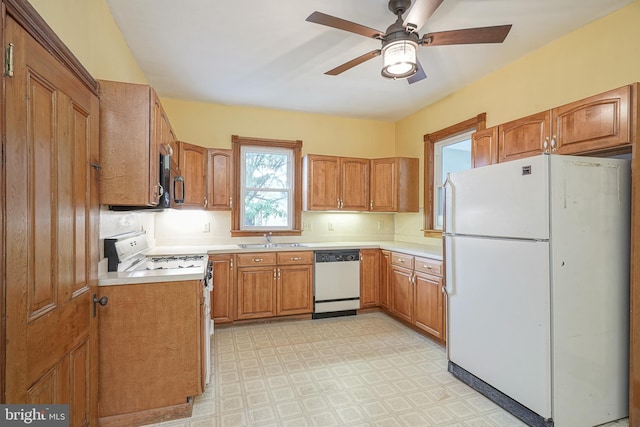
{"type": "Point", "coordinates": [364, 370]}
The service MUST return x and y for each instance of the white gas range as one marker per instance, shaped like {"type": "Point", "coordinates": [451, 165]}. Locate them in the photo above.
{"type": "Point", "coordinates": [128, 253]}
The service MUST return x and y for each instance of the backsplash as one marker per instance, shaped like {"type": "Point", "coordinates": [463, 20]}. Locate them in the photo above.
{"type": "Point", "coordinates": [195, 227]}
{"type": "Point", "coordinates": [190, 228]}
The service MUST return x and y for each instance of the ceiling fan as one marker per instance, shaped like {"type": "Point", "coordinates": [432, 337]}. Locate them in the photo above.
{"type": "Point", "coordinates": [401, 40]}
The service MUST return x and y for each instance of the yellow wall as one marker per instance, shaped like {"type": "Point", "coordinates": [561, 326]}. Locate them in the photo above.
{"type": "Point", "coordinates": [88, 29]}
{"type": "Point", "coordinates": [211, 125]}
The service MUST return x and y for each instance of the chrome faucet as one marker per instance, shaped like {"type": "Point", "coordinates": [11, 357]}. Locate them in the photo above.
{"type": "Point", "coordinates": [268, 236]}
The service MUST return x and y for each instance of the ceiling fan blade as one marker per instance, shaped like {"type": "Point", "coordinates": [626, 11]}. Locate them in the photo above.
{"type": "Point", "coordinates": [342, 24]}
{"type": "Point", "coordinates": [420, 13]}
{"type": "Point", "coordinates": [419, 75]}
{"type": "Point", "coordinates": [468, 36]}
{"type": "Point", "coordinates": [356, 61]}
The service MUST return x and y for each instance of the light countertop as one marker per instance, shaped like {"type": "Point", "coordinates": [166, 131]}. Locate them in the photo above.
{"type": "Point", "coordinates": [183, 274]}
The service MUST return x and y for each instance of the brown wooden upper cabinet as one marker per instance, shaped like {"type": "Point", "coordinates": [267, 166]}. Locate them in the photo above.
{"type": "Point", "coordinates": [598, 123]}
{"type": "Point", "coordinates": [355, 184]}
{"type": "Point", "coordinates": [484, 147]}
{"type": "Point", "coordinates": [193, 165]}
{"type": "Point", "coordinates": [219, 179]}
{"type": "Point", "coordinates": [335, 183]}
{"type": "Point", "coordinates": [134, 130]}
{"type": "Point", "coordinates": [394, 185]}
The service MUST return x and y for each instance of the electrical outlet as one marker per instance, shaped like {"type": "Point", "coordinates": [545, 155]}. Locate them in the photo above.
{"type": "Point", "coordinates": [330, 226]}
{"type": "Point", "coordinates": [307, 226]}
{"type": "Point", "coordinates": [207, 227]}
{"type": "Point", "coordinates": [380, 225]}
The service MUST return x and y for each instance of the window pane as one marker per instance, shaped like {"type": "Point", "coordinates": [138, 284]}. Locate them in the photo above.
{"type": "Point", "coordinates": [456, 157]}
{"type": "Point", "coordinates": [266, 209]}
{"type": "Point", "coordinates": [266, 170]}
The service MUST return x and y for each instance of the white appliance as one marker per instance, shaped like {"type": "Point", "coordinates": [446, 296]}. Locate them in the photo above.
{"type": "Point", "coordinates": [336, 284]}
{"type": "Point", "coordinates": [537, 285]}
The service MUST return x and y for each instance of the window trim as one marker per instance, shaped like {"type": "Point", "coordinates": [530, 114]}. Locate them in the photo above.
{"type": "Point", "coordinates": [476, 123]}
{"type": "Point", "coordinates": [296, 221]}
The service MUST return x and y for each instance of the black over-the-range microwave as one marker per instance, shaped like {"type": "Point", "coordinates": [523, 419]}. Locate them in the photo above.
{"type": "Point", "coordinates": [171, 187]}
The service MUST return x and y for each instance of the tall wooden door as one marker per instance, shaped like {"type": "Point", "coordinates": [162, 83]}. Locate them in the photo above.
{"type": "Point", "coordinates": [51, 232]}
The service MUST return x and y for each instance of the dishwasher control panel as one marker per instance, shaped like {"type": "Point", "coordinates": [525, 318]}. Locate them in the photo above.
{"type": "Point", "coordinates": [337, 255]}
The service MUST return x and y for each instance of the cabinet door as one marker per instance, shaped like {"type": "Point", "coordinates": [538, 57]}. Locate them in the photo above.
{"type": "Point", "coordinates": [219, 179]}
{"type": "Point", "coordinates": [127, 144]}
{"type": "Point", "coordinates": [524, 137]}
{"type": "Point", "coordinates": [295, 289]}
{"type": "Point", "coordinates": [484, 147]}
{"type": "Point", "coordinates": [193, 165]}
{"type": "Point", "coordinates": [369, 277]}
{"type": "Point", "coordinates": [385, 270]}
{"type": "Point", "coordinates": [222, 294]}
{"type": "Point", "coordinates": [354, 184]}
{"type": "Point", "coordinates": [428, 314]}
{"type": "Point", "coordinates": [597, 123]}
{"type": "Point", "coordinates": [401, 292]}
{"type": "Point", "coordinates": [322, 182]}
{"type": "Point", "coordinates": [256, 290]}
{"type": "Point", "coordinates": [383, 185]}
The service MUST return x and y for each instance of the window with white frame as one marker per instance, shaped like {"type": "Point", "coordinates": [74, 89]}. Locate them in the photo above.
{"type": "Point", "coordinates": [450, 155]}
{"type": "Point", "coordinates": [266, 188]}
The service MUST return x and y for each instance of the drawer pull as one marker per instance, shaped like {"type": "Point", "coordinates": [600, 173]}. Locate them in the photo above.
{"type": "Point", "coordinates": [257, 260]}
{"type": "Point", "coordinates": [428, 267]}
{"type": "Point", "coordinates": [400, 259]}
{"type": "Point", "coordinates": [296, 258]}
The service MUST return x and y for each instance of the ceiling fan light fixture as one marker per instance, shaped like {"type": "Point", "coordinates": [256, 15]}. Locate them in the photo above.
{"type": "Point", "coordinates": [399, 59]}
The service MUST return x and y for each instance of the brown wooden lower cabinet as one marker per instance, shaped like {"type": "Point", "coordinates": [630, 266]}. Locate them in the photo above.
{"type": "Point", "coordinates": [274, 284]}
{"type": "Point", "coordinates": [369, 278]}
{"type": "Point", "coordinates": [150, 351]}
{"type": "Point", "coordinates": [222, 306]}
{"type": "Point", "coordinates": [415, 291]}
{"type": "Point", "coordinates": [401, 286]}
{"type": "Point", "coordinates": [385, 271]}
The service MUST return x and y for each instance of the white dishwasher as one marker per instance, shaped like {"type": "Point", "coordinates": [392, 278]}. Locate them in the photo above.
{"type": "Point", "coordinates": [336, 283]}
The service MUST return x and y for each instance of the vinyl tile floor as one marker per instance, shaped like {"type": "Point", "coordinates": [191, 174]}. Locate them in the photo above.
{"type": "Point", "coordinates": [364, 370]}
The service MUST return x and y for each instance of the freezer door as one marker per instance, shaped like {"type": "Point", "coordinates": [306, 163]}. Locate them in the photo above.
{"type": "Point", "coordinates": [506, 200]}
{"type": "Point", "coordinates": [499, 315]}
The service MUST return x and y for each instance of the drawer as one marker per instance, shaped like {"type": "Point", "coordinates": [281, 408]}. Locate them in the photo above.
{"type": "Point", "coordinates": [286, 258]}
{"type": "Point", "coordinates": [402, 260]}
{"type": "Point", "coordinates": [429, 266]}
{"type": "Point", "coordinates": [257, 258]}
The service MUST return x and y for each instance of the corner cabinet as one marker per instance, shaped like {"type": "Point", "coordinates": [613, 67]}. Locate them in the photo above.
{"type": "Point", "coordinates": [193, 165]}
{"type": "Point", "coordinates": [394, 185]}
{"type": "Point", "coordinates": [219, 179]}
{"type": "Point", "coordinates": [599, 123]}
{"type": "Point", "coordinates": [134, 130]}
{"type": "Point", "coordinates": [369, 278]}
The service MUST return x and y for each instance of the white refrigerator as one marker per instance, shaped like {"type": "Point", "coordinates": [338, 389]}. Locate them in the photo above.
{"type": "Point", "coordinates": [537, 286]}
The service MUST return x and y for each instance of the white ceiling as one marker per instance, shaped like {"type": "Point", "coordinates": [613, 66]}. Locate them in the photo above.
{"type": "Point", "coordinates": [263, 53]}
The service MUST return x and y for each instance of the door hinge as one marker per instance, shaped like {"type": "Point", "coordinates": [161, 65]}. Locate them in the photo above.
{"type": "Point", "coordinates": [8, 61]}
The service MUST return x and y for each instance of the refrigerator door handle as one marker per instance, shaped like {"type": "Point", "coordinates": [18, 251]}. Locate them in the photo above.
{"type": "Point", "coordinates": [449, 190]}
{"type": "Point", "coordinates": [448, 287]}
